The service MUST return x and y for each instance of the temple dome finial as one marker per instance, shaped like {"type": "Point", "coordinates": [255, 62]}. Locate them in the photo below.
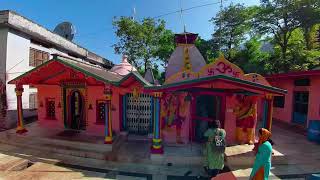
{"type": "Point", "coordinates": [124, 67]}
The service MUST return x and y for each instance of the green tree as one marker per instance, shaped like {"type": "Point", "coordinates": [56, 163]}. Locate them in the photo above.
{"type": "Point", "coordinates": [142, 41]}
{"type": "Point", "coordinates": [208, 48]}
{"type": "Point", "coordinates": [300, 57]}
{"type": "Point", "coordinates": [231, 24]}
{"type": "Point", "coordinates": [276, 17]}
{"type": "Point", "coordinates": [307, 13]}
{"type": "Point", "coordinates": [165, 48]}
{"type": "Point", "coordinates": [250, 58]}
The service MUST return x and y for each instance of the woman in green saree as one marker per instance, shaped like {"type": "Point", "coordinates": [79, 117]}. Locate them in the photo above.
{"type": "Point", "coordinates": [214, 149]}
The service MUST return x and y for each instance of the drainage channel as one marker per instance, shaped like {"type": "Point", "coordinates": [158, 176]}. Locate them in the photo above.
{"type": "Point", "coordinates": [109, 173]}
{"type": "Point", "coordinates": [113, 174]}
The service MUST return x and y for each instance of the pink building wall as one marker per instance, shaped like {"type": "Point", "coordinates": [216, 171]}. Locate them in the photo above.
{"type": "Point", "coordinates": [230, 120]}
{"type": "Point", "coordinates": [286, 114]}
{"type": "Point", "coordinates": [45, 92]}
{"type": "Point", "coordinates": [94, 93]}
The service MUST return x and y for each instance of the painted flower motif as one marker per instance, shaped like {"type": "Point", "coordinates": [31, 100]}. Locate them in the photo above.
{"type": "Point", "coordinates": [255, 78]}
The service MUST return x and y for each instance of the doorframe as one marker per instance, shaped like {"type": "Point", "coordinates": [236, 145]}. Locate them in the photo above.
{"type": "Point", "coordinates": [67, 90]}
{"type": "Point", "coordinates": [123, 112]}
{"type": "Point", "coordinates": [222, 113]}
{"type": "Point", "coordinates": [304, 125]}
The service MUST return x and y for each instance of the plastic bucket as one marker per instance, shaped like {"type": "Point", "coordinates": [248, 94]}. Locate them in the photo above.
{"type": "Point", "coordinates": [314, 131]}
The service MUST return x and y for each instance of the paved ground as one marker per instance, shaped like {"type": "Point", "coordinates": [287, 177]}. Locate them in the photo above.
{"type": "Point", "coordinates": [16, 163]}
{"type": "Point", "coordinates": [303, 157]}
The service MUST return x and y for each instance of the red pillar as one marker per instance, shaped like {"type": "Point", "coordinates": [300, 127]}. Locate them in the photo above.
{"type": "Point", "coordinates": [20, 126]}
{"type": "Point", "coordinates": [269, 99]}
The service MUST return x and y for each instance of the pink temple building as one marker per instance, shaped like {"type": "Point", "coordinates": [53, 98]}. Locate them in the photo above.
{"type": "Point", "coordinates": [86, 98]}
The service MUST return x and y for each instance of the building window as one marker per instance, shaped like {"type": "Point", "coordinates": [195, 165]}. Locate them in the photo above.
{"type": "Point", "coordinates": [278, 101]}
{"type": "Point", "coordinates": [302, 82]}
{"type": "Point", "coordinates": [33, 101]}
{"type": "Point", "coordinates": [50, 108]}
{"type": "Point", "coordinates": [37, 57]}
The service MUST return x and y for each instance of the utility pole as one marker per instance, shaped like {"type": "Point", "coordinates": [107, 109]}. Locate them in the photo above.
{"type": "Point", "coordinates": [220, 24]}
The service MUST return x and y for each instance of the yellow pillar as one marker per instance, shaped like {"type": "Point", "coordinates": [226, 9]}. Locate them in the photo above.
{"type": "Point", "coordinates": [108, 120]}
{"type": "Point", "coordinates": [20, 126]}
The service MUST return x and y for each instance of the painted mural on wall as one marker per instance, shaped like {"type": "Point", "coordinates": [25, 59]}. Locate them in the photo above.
{"type": "Point", "coordinates": [174, 113]}
{"type": "Point", "coordinates": [246, 117]}
{"type": "Point", "coordinates": [220, 66]}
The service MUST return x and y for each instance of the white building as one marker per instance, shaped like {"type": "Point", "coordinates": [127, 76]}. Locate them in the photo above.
{"type": "Point", "coordinates": [24, 45]}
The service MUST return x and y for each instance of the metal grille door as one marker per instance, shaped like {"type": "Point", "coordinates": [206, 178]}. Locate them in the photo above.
{"type": "Point", "coordinates": [139, 114]}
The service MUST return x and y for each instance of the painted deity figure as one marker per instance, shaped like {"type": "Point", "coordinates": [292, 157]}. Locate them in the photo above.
{"type": "Point", "coordinates": [173, 113]}
{"type": "Point", "coordinates": [246, 115]}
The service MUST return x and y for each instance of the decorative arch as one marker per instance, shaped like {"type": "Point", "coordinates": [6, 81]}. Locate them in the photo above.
{"type": "Point", "coordinates": [220, 66]}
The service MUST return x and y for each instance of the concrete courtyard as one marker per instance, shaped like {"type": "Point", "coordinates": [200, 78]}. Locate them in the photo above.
{"type": "Point", "coordinates": [300, 159]}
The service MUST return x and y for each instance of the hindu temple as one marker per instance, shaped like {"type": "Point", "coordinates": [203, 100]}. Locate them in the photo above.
{"type": "Point", "coordinates": [79, 96]}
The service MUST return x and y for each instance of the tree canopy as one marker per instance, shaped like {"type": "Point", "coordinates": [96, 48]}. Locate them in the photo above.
{"type": "Point", "coordinates": [275, 36]}
{"type": "Point", "coordinates": [144, 42]}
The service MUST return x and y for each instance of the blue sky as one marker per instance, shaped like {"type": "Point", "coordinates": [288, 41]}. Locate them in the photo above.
{"type": "Point", "coordinates": [93, 18]}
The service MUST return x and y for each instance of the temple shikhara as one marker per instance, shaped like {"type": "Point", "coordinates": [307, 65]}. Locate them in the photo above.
{"type": "Point", "coordinates": [76, 95]}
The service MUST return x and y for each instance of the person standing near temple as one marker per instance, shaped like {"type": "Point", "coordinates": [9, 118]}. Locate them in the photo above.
{"type": "Point", "coordinates": [263, 150]}
{"type": "Point", "coordinates": [214, 149]}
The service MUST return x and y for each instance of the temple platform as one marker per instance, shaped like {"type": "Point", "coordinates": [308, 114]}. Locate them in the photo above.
{"type": "Point", "coordinates": [124, 149]}
{"type": "Point", "coordinates": [58, 141]}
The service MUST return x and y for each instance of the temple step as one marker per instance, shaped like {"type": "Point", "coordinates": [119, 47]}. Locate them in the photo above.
{"type": "Point", "coordinates": [79, 149]}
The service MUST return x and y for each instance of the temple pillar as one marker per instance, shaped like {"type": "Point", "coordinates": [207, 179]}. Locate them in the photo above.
{"type": "Point", "coordinates": [20, 126]}
{"type": "Point", "coordinates": [268, 111]}
{"type": "Point", "coordinates": [108, 121]}
{"type": "Point", "coordinates": [157, 147]}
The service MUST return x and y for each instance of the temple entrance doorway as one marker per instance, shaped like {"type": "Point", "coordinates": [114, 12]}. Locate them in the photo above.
{"type": "Point", "coordinates": [207, 108]}
{"type": "Point", "coordinates": [137, 114]}
{"type": "Point", "coordinates": [74, 115]}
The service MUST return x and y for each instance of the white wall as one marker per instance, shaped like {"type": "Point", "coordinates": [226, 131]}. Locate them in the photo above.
{"type": "Point", "coordinates": [14, 56]}
{"type": "Point", "coordinates": [18, 49]}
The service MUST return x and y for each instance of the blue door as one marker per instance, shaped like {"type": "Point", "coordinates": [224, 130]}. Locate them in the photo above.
{"type": "Point", "coordinates": [300, 109]}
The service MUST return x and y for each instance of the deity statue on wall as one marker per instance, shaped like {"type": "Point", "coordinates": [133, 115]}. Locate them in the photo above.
{"type": "Point", "coordinates": [246, 116]}
{"type": "Point", "coordinates": [174, 112]}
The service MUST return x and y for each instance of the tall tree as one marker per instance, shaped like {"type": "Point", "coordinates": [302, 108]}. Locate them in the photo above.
{"type": "Point", "coordinates": [165, 47]}
{"type": "Point", "coordinates": [276, 17]}
{"type": "Point", "coordinates": [231, 25]}
{"type": "Point", "coordinates": [307, 13]}
{"type": "Point", "coordinates": [142, 41]}
{"type": "Point", "coordinates": [127, 30]}
{"type": "Point", "coordinates": [251, 58]}
{"type": "Point", "coordinates": [208, 48]}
